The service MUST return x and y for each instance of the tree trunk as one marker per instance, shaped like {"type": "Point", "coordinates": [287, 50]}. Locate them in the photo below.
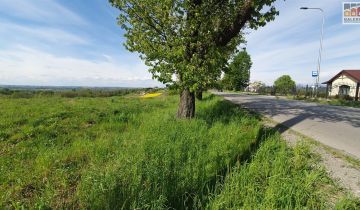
{"type": "Point", "coordinates": [186, 107]}
{"type": "Point", "coordinates": [199, 95]}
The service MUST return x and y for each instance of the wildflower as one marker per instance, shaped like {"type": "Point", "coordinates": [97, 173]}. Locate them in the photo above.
{"type": "Point", "coordinates": [151, 95]}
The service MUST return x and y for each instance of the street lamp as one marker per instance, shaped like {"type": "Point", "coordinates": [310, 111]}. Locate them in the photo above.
{"type": "Point", "coordinates": [321, 46]}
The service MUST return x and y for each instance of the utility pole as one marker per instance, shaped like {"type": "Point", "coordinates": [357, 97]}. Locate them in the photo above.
{"type": "Point", "coordinates": [320, 50]}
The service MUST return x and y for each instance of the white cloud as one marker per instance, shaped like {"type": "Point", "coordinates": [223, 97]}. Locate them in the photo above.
{"type": "Point", "coordinates": [40, 10]}
{"type": "Point", "coordinates": [108, 58]}
{"type": "Point", "coordinates": [13, 31]}
{"type": "Point", "coordinates": [44, 43]}
{"type": "Point", "coordinates": [23, 65]}
{"type": "Point", "coordinates": [290, 44]}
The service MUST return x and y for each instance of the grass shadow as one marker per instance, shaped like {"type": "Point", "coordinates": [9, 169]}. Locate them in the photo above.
{"type": "Point", "coordinates": [214, 185]}
{"type": "Point", "coordinates": [223, 111]}
{"type": "Point", "coordinates": [197, 195]}
{"type": "Point", "coordinates": [208, 97]}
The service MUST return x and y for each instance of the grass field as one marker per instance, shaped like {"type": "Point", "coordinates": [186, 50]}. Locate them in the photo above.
{"type": "Point", "coordinates": [331, 101]}
{"type": "Point", "coordinates": [129, 152]}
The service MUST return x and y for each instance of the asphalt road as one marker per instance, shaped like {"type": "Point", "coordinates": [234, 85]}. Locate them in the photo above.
{"type": "Point", "coordinates": [335, 126]}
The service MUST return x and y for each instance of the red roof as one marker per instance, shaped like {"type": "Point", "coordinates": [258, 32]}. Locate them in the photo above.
{"type": "Point", "coordinates": [355, 74]}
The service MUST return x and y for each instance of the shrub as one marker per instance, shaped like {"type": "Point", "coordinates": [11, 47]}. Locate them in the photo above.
{"type": "Point", "coordinates": [22, 94]}
{"type": "Point", "coordinates": [284, 85]}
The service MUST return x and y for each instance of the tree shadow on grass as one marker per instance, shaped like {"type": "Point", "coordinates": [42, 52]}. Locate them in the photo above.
{"type": "Point", "coordinates": [213, 185]}
{"type": "Point", "coordinates": [224, 112]}
{"type": "Point", "coordinates": [208, 97]}
{"type": "Point", "coordinates": [198, 196]}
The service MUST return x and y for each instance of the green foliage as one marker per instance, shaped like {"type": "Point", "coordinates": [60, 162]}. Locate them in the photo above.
{"type": "Point", "coordinates": [116, 152]}
{"type": "Point", "coordinates": [237, 75]}
{"type": "Point", "coordinates": [348, 203]}
{"type": "Point", "coordinates": [125, 152]}
{"type": "Point", "coordinates": [278, 177]}
{"type": "Point", "coordinates": [284, 85]}
{"type": "Point", "coordinates": [267, 90]}
{"type": "Point", "coordinates": [344, 97]}
{"type": "Point", "coordinates": [334, 102]}
{"type": "Point", "coordinates": [81, 92]}
{"type": "Point", "coordinates": [340, 102]}
{"type": "Point", "coordinates": [191, 39]}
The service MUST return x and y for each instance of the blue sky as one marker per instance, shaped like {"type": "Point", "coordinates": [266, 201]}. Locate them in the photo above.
{"type": "Point", "coordinates": [53, 42]}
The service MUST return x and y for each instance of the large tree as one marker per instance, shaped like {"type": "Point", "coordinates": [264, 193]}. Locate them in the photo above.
{"type": "Point", "coordinates": [284, 85]}
{"type": "Point", "coordinates": [237, 74]}
{"type": "Point", "coordinates": [189, 39]}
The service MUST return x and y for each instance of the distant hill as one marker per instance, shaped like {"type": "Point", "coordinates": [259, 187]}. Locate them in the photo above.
{"type": "Point", "coordinates": [30, 87]}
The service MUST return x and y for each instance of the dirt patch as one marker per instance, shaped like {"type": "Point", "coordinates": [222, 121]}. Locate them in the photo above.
{"type": "Point", "coordinates": [28, 191]}
{"type": "Point", "coordinates": [339, 169]}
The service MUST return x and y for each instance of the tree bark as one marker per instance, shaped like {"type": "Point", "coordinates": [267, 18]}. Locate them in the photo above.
{"type": "Point", "coordinates": [186, 107]}
{"type": "Point", "coordinates": [234, 28]}
{"type": "Point", "coordinates": [199, 95]}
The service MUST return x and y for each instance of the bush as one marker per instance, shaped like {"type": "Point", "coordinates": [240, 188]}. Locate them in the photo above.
{"type": "Point", "coordinates": [344, 97]}
{"type": "Point", "coordinates": [284, 85]}
{"type": "Point", "coordinates": [5, 91]}
{"type": "Point", "coordinates": [266, 90]}
{"type": "Point", "coordinates": [172, 92]}
{"type": "Point", "coordinates": [69, 94]}
{"type": "Point", "coordinates": [22, 94]}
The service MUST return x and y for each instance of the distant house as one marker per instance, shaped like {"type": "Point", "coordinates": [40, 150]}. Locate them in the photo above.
{"type": "Point", "coordinates": [345, 83]}
{"type": "Point", "coordinates": [255, 86]}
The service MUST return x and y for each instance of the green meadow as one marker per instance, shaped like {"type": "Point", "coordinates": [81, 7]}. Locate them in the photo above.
{"type": "Point", "coordinates": [121, 151]}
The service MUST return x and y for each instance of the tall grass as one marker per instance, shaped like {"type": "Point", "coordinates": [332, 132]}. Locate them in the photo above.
{"type": "Point", "coordinates": [278, 177]}
{"type": "Point", "coordinates": [172, 163]}
{"type": "Point", "coordinates": [125, 152]}
{"type": "Point", "coordinates": [342, 102]}
{"type": "Point", "coordinates": [118, 152]}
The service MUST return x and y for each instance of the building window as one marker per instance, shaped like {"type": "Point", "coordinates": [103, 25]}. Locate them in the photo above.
{"type": "Point", "coordinates": [344, 90]}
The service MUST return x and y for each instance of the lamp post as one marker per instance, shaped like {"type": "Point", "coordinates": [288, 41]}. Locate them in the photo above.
{"type": "Point", "coordinates": [321, 47]}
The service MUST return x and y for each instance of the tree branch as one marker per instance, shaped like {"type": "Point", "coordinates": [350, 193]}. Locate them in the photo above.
{"type": "Point", "coordinates": [234, 28]}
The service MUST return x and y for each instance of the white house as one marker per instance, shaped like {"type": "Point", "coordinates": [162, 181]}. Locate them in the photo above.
{"type": "Point", "coordinates": [346, 82]}
{"type": "Point", "coordinates": [255, 86]}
